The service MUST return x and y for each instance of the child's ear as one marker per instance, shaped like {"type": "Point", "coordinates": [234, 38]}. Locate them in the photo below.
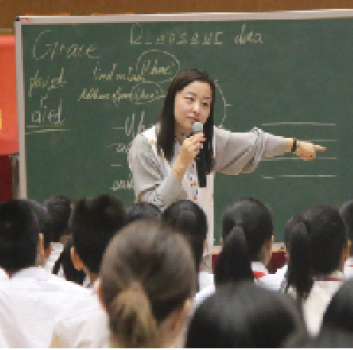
{"type": "Point", "coordinates": [76, 260]}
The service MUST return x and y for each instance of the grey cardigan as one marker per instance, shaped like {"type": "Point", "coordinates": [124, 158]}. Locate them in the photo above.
{"type": "Point", "coordinates": [234, 153]}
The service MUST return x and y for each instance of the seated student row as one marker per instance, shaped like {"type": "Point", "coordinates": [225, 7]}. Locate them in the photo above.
{"type": "Point", "coordinates": [181, 217]}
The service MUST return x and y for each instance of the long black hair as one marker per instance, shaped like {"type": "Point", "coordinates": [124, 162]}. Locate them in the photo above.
{"type": "Point", "coordinates": [166, 133]}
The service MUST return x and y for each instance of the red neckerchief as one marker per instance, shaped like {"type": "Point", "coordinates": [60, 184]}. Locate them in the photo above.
{"type": "Point", "coordinates": [258, 274]}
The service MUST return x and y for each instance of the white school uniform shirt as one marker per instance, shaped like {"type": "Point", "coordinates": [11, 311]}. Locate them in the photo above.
{"type": "Point", "coordinates": [320, 296]}
{"type": "Point", "coordinates": [83, 325]}
{"type": "Point", "coordinates": [205, 279]}
{"type": "Point", "coordinates": [29, 302]}
{"type": "Point", "coordinates": [348, 268]}
{"type": "Point", "coordinates": [267, 280]}
{"type": "Point", "coordinates": [54, 256]}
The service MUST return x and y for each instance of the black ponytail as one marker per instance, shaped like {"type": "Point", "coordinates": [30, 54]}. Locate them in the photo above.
{"type": "Point", "coordinates": [233, 263]}
{"type": "Point", "coordinates": [300, 271]}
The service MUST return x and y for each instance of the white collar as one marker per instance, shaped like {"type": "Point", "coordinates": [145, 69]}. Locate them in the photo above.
{"type": "Point", "coordinates": [258, 266]}
{"type": "Point", "coordinates": [37, 272]}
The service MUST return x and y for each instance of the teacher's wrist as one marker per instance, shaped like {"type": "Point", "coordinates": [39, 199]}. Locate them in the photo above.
{"type": "Point", "coordinates": [179, 170]}
{"type": "Point", "coordinates": [293, 145]}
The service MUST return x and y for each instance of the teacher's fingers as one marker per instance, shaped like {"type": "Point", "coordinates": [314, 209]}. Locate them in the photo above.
{"type": "Point", "coordinates": [319, 148]}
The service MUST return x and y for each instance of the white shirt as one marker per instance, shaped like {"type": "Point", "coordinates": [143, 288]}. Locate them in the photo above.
{"type": "Point", "coordinates": [29, 302]}
{"type": "Point", "coordinates": [3, 275]}
{"type": "Point", "coordinates": [267, 280]}
{"type": "Point", "coordinates": [54, 256]}
{"type": "Point", "coordinates": [83, 325]}
{"type": "Point", "coordinates": [348, 268]}
{"type": "Point", "coordinates": [320, 296]}
{"type": "Point", "coordinates": [205, 279]}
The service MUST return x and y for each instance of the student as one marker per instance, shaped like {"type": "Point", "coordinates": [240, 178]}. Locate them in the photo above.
{"type": "Point", "coordinates": [189, 219]}
{"type": "Point", "coordinates": [147, 281]}
{"type": "Point", "coordinates": [244, 315]}
{"type": "Point", "coordinates": [31, 297]}
{"type": "Point", "coordinates": [346, 212]}
{"type": "Point", "coordinates": [255, 220]}
{"type": "Point", "coordinates": [94, 222]}
{"type": "Point", "coordinates": [162, 158]}
{"type": "Point", "coordinates": [318, 250]}
{"type": "Point", "coordinates": [339, 312]}
{"type": "Point", "coordinates": [247, 231]}
{"type": "Point", "coordinates": [59, 209]}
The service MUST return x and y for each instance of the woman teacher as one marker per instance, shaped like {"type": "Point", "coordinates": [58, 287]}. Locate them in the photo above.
{"type": "Point", "coordinates": [162, 158]}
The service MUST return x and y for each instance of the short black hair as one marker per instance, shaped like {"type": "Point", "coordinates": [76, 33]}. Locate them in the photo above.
{"type": "Point", "coordinates": [95, 220]}
{"type": "Point", "coordinates": [45, 221]}
{"type": "Point", "coordinates": [19, 235]}
{"type": "Point", "coordinates": [142, 210]}
{"type": "Point", "coordinates": [346, 212]}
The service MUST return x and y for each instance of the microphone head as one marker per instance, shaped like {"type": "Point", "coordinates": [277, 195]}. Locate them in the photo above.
{"type": "Point", "coordinates": [197, 127]}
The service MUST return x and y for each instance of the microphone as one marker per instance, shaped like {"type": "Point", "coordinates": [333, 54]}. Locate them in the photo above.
{"type": "Point", "coordinates": [200, 158]}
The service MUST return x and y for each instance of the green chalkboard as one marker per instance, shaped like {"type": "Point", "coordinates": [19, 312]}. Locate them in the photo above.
{"type": "Point", "coordinates": [88, 85]}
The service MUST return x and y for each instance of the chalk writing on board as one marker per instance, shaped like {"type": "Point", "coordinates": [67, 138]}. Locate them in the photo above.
{"type": "Point", "coordinates": [152, 66]}
{"type": "Point", "coordinates": [45, 84]}
{"type": "Point", "coordinates": [139, 34]}
{"type": "Point", "coordinates": [112, 74]}
{"type": "Point", "coordinates": [123, 184]}
{"type": "Point", "coordinates": [157, 65]}
{"type": "Point", "coordinates": [46, 114]}
{"type": "Point", "coordinates": [248, 37]}
{"type": "Point", "coordinates": [46, 46]}
{"type": "Point", "coordinates": [133, 126]}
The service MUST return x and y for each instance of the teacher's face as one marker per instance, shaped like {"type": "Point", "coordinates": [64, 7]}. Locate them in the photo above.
{"type": "Point", "coordinates": [192, 104]}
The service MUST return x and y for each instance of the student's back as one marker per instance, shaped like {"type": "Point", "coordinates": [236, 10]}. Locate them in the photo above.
{"type": "Point", "coordinates": [31, 297]}
{"type": "Point", "coordinates": [318, 250]}
{"type": "Point", "coordinates": [95, 221]}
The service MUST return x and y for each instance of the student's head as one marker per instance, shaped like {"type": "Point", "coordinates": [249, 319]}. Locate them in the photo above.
{"type": "Point", "coordinates": [142, 210]}
{"type": "Point", "coordinates": [147, 278]}
{"type": "Point", "coordinates": [20, 236]}
{"type": "Point", "coordinates": [339, 313]}
{"type": "Point", "coordinates": [233, 263]}
{"type": "Point", "coordinates": [191, 221]}
{"type": "Point", "coordinates": [346, 212]}
{"type": "Point", "coordinates": [255, 220]}
{"type": "Point", "coordinates": [59, 209]}
{"type": "Point", "coordinates": [318, 244]}
{"type": "Point", "coordinates": [244, 315]}
{"type": "Point", "coordinates": [95, 220]}
{"type": "Point", "coordinates": [190, 98]}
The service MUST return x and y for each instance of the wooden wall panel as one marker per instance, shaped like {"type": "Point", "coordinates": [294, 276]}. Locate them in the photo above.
{"type": "Point", "coordinates": [11, 9]}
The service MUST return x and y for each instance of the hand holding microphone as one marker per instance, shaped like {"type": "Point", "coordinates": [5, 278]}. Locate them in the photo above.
{"type": "Point", "coordinates": [190, 148]}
